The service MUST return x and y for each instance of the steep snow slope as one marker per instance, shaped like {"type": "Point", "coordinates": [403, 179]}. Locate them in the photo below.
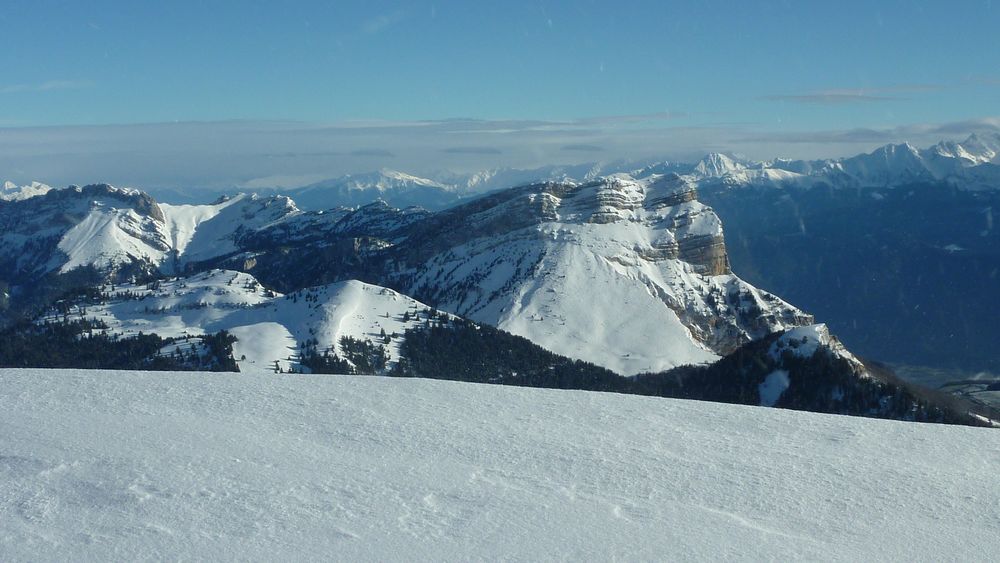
{"type": "Point", "coordinates": [717, 165]}
{"type": "Point", "coordinates": [629, 274]}
{"type": "Point", "coordinates": [202, 232]}
{"type": "Point", "coordinates": [110, 235]}
{"type": "Point", "coordinates": [269, 326]}
{"type": "Point", "coordinates": [143, 466]}
{"type": "Point", "coordinates": [97, 225]}
{"type": "Point", "coordinates": [114, 229]}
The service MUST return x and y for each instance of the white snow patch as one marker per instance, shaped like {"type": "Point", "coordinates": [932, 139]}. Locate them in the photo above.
{"type": "Point", "coordinates": [773, 386]}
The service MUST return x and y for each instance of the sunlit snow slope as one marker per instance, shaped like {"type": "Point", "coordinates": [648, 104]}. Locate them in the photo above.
{"type": "Point", "coordinates": [138, 466]}
{"type": "Point", "coordinates": [268, 326]}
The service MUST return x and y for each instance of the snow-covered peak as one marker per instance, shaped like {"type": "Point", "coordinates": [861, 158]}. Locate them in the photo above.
{"type": "Point", "coordinates": [398, 188]}
{"type": "Point", "coordinates": [976, 149]}
{"type": "Point", "coordinates": [203, 232]}
{"type": "Point", "coordinates": [119, 229]}
{"type": "Point", "coordinates": [14, 192]}
{"type": "Point", "coordinates": [717, 165]}
{"type": "Point", "coordinates": [98, 225]}
{"type": "Point", "coordinates": [804, 341]}
{"type": "Point", "coordinates": [383, 180]}
{"type": "Point", "coordinates": [629, 274]}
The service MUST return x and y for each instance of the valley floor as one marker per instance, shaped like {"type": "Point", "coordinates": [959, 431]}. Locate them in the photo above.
{"type": "Point", "coordinates": [138, 466]}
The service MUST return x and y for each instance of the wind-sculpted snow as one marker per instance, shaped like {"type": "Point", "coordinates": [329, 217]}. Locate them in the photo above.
{"type": "Point", "coordinates": [142, 466]}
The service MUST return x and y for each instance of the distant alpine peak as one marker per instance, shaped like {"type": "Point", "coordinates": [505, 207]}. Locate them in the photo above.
{"type": "Point", "coordinates": [976, 149]}
{"type": "Point", "coordinates": [404, 177]}
{"type": "Point", "coordinates": [13, 192]}
{"type": "Point", "coordinates": [381, 180]}
{"type": "Point", "coordinates": [716, 165]}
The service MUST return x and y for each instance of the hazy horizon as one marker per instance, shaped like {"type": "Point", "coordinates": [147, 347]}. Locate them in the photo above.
{"type": "Point", "coordinates": [246, 94]}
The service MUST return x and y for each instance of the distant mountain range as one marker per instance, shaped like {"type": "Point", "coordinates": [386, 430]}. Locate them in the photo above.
{"type": "Point", "coordinates": [970, 164]}
{"type": "Point", "coordinates": [627, 274]}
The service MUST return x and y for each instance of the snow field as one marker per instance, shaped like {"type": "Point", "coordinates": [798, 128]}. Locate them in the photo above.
{"type": "Point", "coordinates": [139, 466]}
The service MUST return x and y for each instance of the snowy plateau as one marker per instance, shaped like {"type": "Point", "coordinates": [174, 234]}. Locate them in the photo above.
{"type": "Point", "coordinates": [137, 466]}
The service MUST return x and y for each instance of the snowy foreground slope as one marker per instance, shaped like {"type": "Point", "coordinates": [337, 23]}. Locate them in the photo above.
{"type": "Point", "coordinates": [132, 466]}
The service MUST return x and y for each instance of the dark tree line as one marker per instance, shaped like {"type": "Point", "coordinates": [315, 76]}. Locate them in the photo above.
{"type": "Point", "coordinates": [360, 357]}
{"type": "Point", "coordinates": [461, 350]}
{"type": "Point", "coordinates": [82, 344]}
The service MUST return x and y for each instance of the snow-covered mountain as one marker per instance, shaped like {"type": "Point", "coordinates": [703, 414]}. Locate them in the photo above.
{"type": "Point", "coordinates": [122, 231]}
{"type": "Point", "coordinates": [400, 189]}
{"type": "Point", "coordinates": [525, 259]}
{"type": "Point", "coordinates": [202, 232]}
{"type": "Point", "coordinates": [717, 165]}
{"type": "Point", "coordinates": [13, 192]}
{"type": "Point", "coordinates": [626, 271]}
{"type": "Point", "coordinates": [628, 274]}
{"type": "Point", "coordinates": [396, 188]}
{"type": "Point", "coordinates": [61, 230]}
{"type": "Point", "coordinates": [270, 327]}
{"type": "Point", "coordinates": [972, 163]}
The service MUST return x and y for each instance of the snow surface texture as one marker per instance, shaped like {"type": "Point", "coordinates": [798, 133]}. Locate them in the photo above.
{"type": "Point", "coordinates": [269, 326]}
{"type": "Point", "coordinates": [151, 466]}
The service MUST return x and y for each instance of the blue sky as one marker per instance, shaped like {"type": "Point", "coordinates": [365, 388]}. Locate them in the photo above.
{"type": "Point", "coordinates": [617, 70]}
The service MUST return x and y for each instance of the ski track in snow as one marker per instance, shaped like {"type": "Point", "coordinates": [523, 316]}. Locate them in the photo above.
{"type": "Point", "coordinates": [138, 466]}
